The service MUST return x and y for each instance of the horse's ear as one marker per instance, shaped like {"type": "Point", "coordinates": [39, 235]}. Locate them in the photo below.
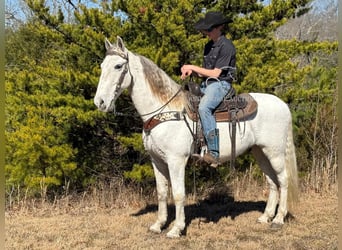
{"type": "Point", "coordinates": [108, 44]}
{"type": "Point", "coordinates": [120, 44]}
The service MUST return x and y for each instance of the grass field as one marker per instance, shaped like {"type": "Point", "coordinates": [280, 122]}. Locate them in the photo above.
{"type": "Point", "coordinates": [213, 222]}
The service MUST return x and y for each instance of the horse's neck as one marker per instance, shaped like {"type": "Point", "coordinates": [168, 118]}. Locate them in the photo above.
{"type": "Point", "coordinates": [146, 103]}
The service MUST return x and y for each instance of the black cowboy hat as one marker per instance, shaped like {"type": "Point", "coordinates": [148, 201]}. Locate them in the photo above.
{"type": "Point", "coordinates": [210, 20]}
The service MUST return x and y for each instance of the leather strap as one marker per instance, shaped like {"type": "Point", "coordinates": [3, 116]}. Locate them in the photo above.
{"type": "Point", "coordinates": [160, 118]}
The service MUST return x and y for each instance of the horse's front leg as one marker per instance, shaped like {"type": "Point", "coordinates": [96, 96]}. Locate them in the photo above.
{"type": "Point", "coordinates": [161, 175]}
{"type": "Point", "coordinates": [177, 172]}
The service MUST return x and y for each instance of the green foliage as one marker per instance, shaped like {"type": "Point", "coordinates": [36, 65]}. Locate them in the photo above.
{"type": "Point", "coordinates": [134, 141]}
{"type": "Point", "coordinates": [37, 149]}
{"type": "Point", "coordinates": [140, 173]}
{"type": "Point", "coordinates": [46, 99]}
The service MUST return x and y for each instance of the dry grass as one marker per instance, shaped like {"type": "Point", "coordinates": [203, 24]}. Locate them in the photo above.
{"type": "Point", "coordinates": [103, 219]}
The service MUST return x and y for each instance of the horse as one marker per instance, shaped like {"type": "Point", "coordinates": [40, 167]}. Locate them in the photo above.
{"type": "Point", "coordinates": [170, 144]}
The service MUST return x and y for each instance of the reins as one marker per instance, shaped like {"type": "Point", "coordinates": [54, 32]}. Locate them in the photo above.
{"type": "Point", "coordinates": [159, 110]}
{"type": "Point", "coordinates": [162, 107]}
{"type": "Point", "coordinates": [124, 72]}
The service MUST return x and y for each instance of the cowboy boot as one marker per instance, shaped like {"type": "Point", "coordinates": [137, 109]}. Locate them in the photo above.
{"type": "Point", "coordinates": [212, 156]}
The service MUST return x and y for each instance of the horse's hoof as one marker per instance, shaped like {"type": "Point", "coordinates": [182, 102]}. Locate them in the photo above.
{"type": "Point", "coordinates": [155, 229]}
{"type": "Point", "coordinates": [276, 226]}
{"type": "Point", "coordinates": [173, 233]}
{"type": "Point", "coordinates": [263, 220]}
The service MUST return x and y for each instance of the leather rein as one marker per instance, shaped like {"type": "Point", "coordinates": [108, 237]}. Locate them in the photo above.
{"type": "Point", "coordinates": [160, 116]}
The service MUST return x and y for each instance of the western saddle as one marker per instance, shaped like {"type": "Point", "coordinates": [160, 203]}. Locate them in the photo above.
{"type": "Point", "coordinates": [233, 109]}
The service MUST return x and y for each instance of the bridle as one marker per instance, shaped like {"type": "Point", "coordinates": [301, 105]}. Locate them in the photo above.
{"type": "Point", "coordinates": [122, 76]}
{"type": "Point", "coordinates": [158, 116]}
{"type": "Point", "coordinates": [114, 51]}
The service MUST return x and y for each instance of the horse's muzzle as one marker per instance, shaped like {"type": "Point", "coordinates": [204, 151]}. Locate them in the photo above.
{"type": "Point", "coordinates": [102, 106]}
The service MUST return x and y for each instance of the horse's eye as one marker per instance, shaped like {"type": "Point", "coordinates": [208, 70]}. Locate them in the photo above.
{"type": "Point", "coordinates": [118, 66]}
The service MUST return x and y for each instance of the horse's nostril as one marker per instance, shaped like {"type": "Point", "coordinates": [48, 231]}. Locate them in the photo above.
{"type": "Point", "coordinates": [100, 103]}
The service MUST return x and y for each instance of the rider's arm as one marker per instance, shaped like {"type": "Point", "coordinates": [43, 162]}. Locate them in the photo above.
{"type": "Point", "coordinates": [189, 69]}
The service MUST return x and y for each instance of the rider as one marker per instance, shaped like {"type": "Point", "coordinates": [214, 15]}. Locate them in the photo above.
{"type": "Point", "coordinates": [217, 72]}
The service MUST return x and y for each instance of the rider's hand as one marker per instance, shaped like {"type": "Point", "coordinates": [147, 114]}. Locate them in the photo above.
{"type": "Point", "coordinates": [186, 71]}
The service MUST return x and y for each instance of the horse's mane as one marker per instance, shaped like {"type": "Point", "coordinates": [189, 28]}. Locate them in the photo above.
{"type": "Point", "coordinates": [161, 85]}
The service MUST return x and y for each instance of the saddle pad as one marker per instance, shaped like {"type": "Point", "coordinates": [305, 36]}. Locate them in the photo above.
{"type": "Point", "coordinates": [242, 114]}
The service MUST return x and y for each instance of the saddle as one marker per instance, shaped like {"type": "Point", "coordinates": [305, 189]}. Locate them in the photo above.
{"type": "Point", "coordinates": [234, 108]}
{"type": "Point", "coordinates": [243, 105]}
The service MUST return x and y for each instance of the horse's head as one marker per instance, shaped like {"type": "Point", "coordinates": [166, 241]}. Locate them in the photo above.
{"type": "Point", "coordinates": [115, 76]}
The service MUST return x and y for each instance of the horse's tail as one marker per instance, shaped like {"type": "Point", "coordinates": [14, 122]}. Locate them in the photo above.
{"type": "Point", "coordinates": [291, 168]}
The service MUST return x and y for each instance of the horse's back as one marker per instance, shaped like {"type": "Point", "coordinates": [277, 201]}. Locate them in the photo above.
{"type": "Point", "coordinates": [273, 118]}
{"type": "Point", "coordinates": [271, 106]}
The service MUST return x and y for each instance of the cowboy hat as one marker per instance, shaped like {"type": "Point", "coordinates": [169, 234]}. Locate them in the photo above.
{"type": "Point", "coordinates": [210, 20]}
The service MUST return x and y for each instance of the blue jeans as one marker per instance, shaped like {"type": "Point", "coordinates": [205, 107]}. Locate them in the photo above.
{"type": "Point", "coordinates": [213, 96]}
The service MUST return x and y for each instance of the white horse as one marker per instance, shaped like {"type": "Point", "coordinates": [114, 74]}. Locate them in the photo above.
{"type": "Point", "coordinates": [170, 143]}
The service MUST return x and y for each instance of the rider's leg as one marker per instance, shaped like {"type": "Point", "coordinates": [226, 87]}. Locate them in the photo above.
{"type": "Point", "coordinates": [213, 96]}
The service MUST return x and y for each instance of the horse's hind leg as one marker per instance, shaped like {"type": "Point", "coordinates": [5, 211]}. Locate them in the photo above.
{"type": "Point", "coordinates": [162, 176]}
{"type": "Point", "coordinates": [278, 221]}
{"type": "Point", "coordinates": [271, 178]}
{"type": "Point", "coordinates": [273, 165]}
